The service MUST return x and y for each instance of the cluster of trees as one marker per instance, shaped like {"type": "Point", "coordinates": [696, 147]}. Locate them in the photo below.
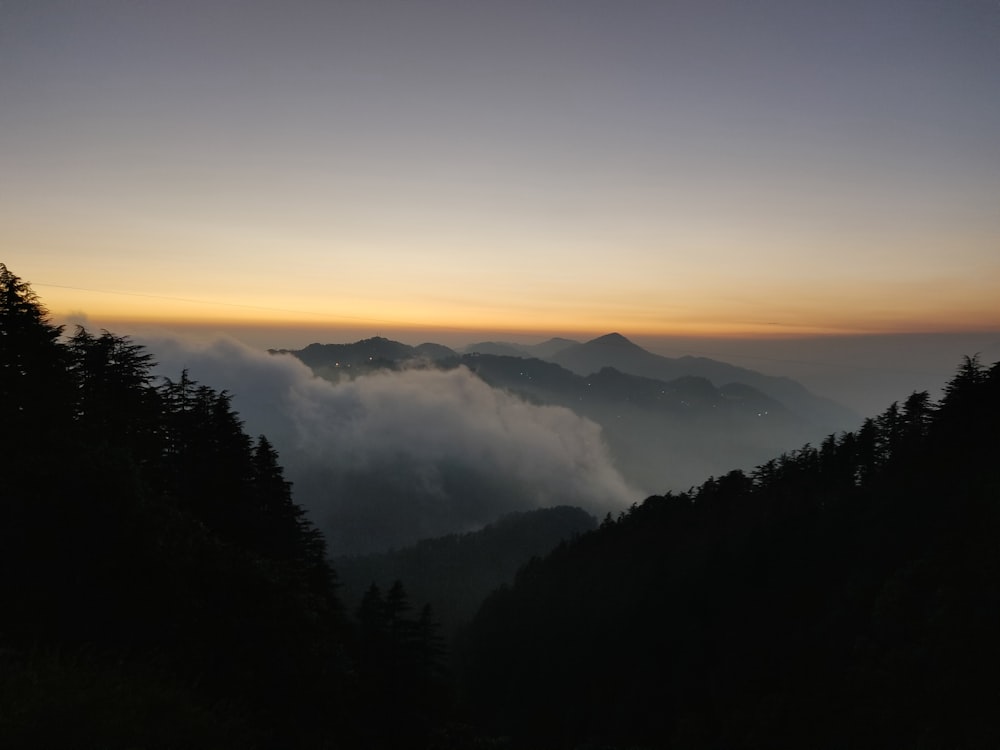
{"type": "Point", "coordinates": [840, 596]}
{"type": "Point", "coordinates": [159, 586]}
{"type": "Point", "coordinates": [454, 573]}
{"type": "Point", "coordinates": [400, 667]}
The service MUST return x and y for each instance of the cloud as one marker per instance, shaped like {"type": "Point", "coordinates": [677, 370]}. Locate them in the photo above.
{"type": "Point", "coordinates": [391, 457]}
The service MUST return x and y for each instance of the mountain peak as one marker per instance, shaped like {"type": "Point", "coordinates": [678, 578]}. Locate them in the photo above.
{"type": "Point", "coordinates": [612, 339]}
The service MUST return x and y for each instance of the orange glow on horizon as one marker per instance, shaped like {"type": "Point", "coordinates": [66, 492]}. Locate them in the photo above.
{"type": "Point", "coordinates": [492, 328]}
{"type": "Point", "coordinates": [769, 313]}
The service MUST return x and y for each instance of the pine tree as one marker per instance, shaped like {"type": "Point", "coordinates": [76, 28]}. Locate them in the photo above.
{"type": "Point", "coordinates": [35, 390]}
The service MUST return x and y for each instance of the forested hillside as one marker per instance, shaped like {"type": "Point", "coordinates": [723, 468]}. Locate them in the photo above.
{"type": "Point", "coordinates": [845, 595]}
{"type": "Point", "coordinates": [160, 588]}
{"type": "Point", "coordinates": [455, 572]}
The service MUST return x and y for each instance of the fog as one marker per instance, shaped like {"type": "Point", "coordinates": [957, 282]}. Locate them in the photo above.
{"type": "Point", "coordinates": [389, 458]}
{"type": "Point", "coordinates": [865, 373]}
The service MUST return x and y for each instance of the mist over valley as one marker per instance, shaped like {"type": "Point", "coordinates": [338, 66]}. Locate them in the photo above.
{"type": "Point", "coordinates": [393, 443]}
{"type": "Point", "coordinates": [397, 455]}
{"type": "Point", "coordinates": [668, 423]}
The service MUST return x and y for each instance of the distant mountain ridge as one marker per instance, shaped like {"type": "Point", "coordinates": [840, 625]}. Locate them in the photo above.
{"type": "Point", "coordinates": [660, 434]}
{"type": "Point", "coordinates": [545, 350]}
{"type": "Point", "coordinates": [611, 350]}
{"type": "Point", "coordinates": [669, 424]}
{"type": "Point", "coordinates": [616, 351]}
{"type": "Point", "coordinates": [373, 352]}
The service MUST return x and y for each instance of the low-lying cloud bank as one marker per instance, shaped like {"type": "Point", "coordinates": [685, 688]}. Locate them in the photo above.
{"type": "Point", "coordinates": [392, 457]}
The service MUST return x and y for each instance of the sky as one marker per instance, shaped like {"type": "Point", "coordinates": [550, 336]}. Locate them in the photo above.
{"type": "Point", "coordinates": [699, 168]}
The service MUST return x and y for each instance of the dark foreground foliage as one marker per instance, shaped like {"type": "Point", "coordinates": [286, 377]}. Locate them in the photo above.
{"type": "Point", "coordinates": [840, 596]}
{"type": "Point", "coordinates": [454, 573]}
{"type": "Point", "coordinates": [159, 587]}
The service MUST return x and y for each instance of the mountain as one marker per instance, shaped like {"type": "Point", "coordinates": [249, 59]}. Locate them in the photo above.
{"type": "Point", "coordinates": [365, 355]}
{"type": "Point", "coordinates": [549, 383]}
{"type": "Point", "coordinates": [662, 435]}
{"type": "Point", "coordinates": [614, 350]}
{"type": "Point", "coordinates": [548, 349]}
{"type": "Point", "coordinates": [544, 350]}
{"type": "Point", "coordinates": [499, 348]}
{"type": "Point", "coordinates": [454, 573]}
{"type": "Point", "coordinates": [434, 351]}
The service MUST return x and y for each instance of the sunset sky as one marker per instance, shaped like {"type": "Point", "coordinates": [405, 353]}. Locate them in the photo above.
{"type": "Point", "coordinates": [681, 167]}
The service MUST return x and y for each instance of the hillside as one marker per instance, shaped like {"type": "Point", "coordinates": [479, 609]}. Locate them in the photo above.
{"type": "Point", "coordinates": [662, 435]}
{"type": "Point", "coordinates": [336, 360]}
{"type": "Point", "coordinates": [844, 595]}
{"type": "Point", "coordinates": [454, 573]}
{"type": "Point", "coordinates": [614, 350]}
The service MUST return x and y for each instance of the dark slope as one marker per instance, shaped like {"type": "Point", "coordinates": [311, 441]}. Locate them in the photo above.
{"type": "Point", "coordinates": [840, 596]}
{"type": "Point", "coordinates": [432, 351]}
{"type": "Point", "coordinates": [548, 348]}
{"type": "Point", "coordinates": [544, 350]}
{"type": "Point", "coordinates": [364, 355]}
{"type": "Point", "coordinates": [614, 350]}
{"type": "Point", "coordinates": [375, 349]}
{"type": "Point", "coordinates": [454, 573]}
{"type": "Point", "coordinates": [497, 348]}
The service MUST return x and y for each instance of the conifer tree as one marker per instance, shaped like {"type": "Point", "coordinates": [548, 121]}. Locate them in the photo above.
{"type": "Point", "coordinates": [35, 391]}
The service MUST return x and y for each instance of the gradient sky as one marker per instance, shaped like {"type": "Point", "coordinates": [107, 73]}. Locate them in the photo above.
{"type": "Point", "coordinates": [720, 167]}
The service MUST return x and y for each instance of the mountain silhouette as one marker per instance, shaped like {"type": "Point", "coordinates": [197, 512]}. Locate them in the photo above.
{"type": "Point", "coordinates": [660, 434]}
{"type": "Point", "coordinates": [549, 348]}
{"type": "Point", "coordinates": [545, 350]}
{"type": "Point", "coordinates": [668, 423]}
{"type": "Point", "coordinates": [373, 353]}
{"type": "Point", "coordinates": [614, 350]}
{"type": "Point", "coordinates": [434, 351]}
{"type": "Point", "coordinates": [499, 348]}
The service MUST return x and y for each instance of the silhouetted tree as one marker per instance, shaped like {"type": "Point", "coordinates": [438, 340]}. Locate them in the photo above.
{"type": "Point", "coordinates": [157, 576]}
{"type": "Point", "coordinates": [35, 389]}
